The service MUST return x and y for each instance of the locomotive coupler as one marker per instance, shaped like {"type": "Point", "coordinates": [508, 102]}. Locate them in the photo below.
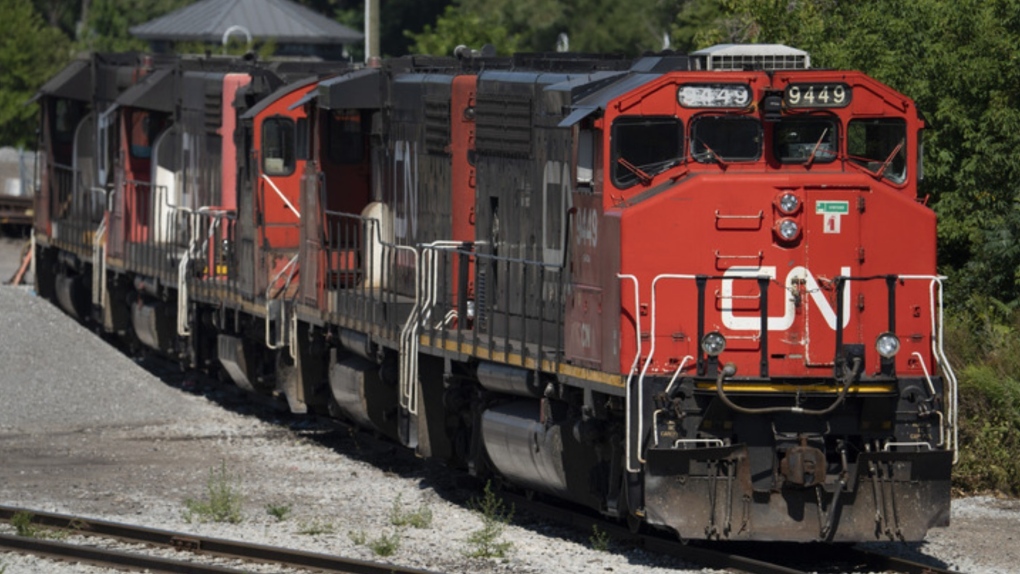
{"type": "Point", "coordinates": [803, 465]}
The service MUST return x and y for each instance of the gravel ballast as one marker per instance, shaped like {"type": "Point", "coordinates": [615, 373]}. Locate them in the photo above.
{"type": "Point", "coordinates": [86, 430]}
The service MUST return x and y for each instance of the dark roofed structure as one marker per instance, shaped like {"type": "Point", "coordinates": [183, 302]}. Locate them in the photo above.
{"type": "Point", "coordinates": [297, 31]}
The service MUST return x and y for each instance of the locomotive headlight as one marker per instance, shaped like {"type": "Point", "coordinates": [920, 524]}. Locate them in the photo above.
{"type": "Point", "coordinates": [887, 345]}
{"type": "Point", "coordinates": [713, 344]}
{"type": "Point", "coordinates": [787, 229]}
{"type": "Point", "coordinates": [788, 203]}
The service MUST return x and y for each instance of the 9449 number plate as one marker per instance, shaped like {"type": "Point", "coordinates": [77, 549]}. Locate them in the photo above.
{"type": "Point", "coordinates": [817, 95]}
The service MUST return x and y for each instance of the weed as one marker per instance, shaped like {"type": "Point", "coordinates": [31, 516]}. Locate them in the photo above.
{"type": "Point", "coordinates": [22, 523]}
{"type": "Point", "coordinates": [223, 502]}
{"type": "Point", "coordinates": [421, 517]}
{"type": "Point", "coordinates": [357, 536]}
{"type": "Point", "coordinates": [385, 545]}
{"type": "Point", "coordinates": [484, 542]}
{"type": "Point", "coordinates": [599, 539]}
{"type": "Point", "coordinates": [3, 568]}
{"type": "Point", "coordinates": [983, 337]}
{"type": "Point", "coordinates": [315, 528]}
{"type": "Point", "coordinates": [278, 511]}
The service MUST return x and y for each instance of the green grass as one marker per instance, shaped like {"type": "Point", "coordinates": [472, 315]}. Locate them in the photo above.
{"type": "Point", "coordinates": [22, 523]}
{"type": "Point", "coordinates": [358, 537]}
{"type": "Point", "coordinates": [599, 539]}
{"type": "Point", "coordinates": [278, 511]}
{"type": "Point", "coordinates": [223, 499]}
{"type": "Point", "coordinates": [486, 541]}
{"type": "Point", "coordinates": [420, 517]}
{"type": "Point", "coordinates": [316, 528]}
{"type": "Point", "coordinates": [386, 544]}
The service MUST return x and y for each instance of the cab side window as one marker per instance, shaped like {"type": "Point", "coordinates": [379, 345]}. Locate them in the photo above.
{"type": "Point", "coordinates": [644, 147]}
{"type": "Point", "coordinates": [278, 146]}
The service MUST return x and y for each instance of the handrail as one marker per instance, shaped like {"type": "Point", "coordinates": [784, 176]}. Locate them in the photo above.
{"type": "Point", "coordinates": [282, 339]}
{"type": "Point", "coordinates": [420, 313]}
{"type": "Point", "coordinates": [283, 197]}
{"type": "Point", "coordinates": [99, 250]}
{"type": "Point", "coordinates": [183, 295]}
{"type": "Point", "coordinates": [630, 373]}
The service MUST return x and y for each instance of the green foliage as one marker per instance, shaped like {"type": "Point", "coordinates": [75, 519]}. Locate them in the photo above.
{"type": "Point", "coordinates": [420, 517]}
{"type": "Point", "coordinates": [628, 28]}
{"type": "Point", "coordinates": [989, 431]}
{"type": "Point", "coordinates": [599, 539]}
{"type": "Point", "coordinates": [456, 27]}
{"type": "Point", "coordinates": [22, 523]}
{"type": "Point", "coordinates": [357, 536]}
{"type": "Point", "coordinates": [485, 542]}
{"type": "Point", "coordinates": [386, 544]}
{"type": "Point", "coordinates": [30, 53]}
{"type": "Point", "coordinates": [109, 22]}
{"type": "Point", "coordinates": [985, 346]}
{"type": "Point", "coordinates": [223, 499]}
{"type": "Point", "coordinates": [278, 511]}
{"type": "Point", "coordinates": [699, 24]}
{"type": "Point", "coordinates": [316, 528]}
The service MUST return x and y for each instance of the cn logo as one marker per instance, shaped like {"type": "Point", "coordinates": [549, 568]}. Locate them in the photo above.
{"type": "Point", "coordinates": [792, 284]}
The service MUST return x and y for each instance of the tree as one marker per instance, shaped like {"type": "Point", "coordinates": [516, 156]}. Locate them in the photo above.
{"type": "Point", "coordinates": [457, 27]}
{"type": "Point", "coordinates": [109, 23]}
{"type": "Point", "coordinates": [698, 24]}
{"type": "Point", "coordinates": [628, 28]}
{"type": "Point", "coordinates": [30, 52]}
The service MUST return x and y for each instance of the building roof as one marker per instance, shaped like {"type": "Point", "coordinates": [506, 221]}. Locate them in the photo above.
{"type": "Point", "coordinates": [280, 20]}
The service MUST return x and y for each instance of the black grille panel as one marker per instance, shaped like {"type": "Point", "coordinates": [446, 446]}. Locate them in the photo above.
{"type": "Point", "coordinates": [504, 125]}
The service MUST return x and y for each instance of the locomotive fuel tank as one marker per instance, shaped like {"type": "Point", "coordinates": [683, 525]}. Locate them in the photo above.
{"type": "Point", "coordinates": [362, 395]}
{"type": "Point", "coordinates": [72, 294]}
{"type": "Point", "coordinates": [531, 450]}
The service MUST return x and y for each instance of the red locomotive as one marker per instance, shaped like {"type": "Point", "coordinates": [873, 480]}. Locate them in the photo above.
{"type": "Point", "coordinates": [694, 292]}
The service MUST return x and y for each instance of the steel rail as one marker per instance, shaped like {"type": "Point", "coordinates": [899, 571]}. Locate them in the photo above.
{"type": "Point", "coordinates": [106, 557]}
{"type": "Point", "coordinates": [895, 563]}
{"type": "Point", "coordinates": [204, 545]}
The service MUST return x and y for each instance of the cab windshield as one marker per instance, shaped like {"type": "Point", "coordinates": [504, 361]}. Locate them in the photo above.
{"type": "Point", "coordinates": [806, 141]}
{"type": "Point", "coordinates": [721, 139]}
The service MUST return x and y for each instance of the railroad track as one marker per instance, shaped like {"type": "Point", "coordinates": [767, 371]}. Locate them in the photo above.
{"type": "Point", "coordinates": [734, 556]}
{"type": "Point", "coordinates": [200, 545]}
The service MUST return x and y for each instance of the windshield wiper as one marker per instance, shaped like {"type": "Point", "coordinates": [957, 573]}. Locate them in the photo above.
{"type": "Point", "coordinates": [889, 159]}
{"type": "Point", "coordinates": [714, 156]}
{"type": "Point", "coordinates": [811, 158]}
{"type": "Point", "coordinates": [642, 176]}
